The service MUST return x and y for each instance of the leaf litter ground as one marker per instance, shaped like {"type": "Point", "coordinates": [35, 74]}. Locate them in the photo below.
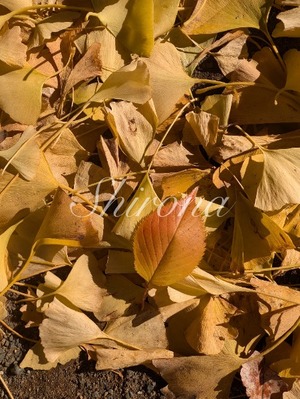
{"type": "Point", "coordinates": [149, 205]}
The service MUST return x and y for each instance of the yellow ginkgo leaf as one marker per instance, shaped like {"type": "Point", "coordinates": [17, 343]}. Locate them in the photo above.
{"type": "Point", "coordinates": [26, 85]}
{"type": "Point", "coordinates": [132, 130]}
{"type": "Point", "coordinates": [142, 203]}
{"type": "Point", "coordinates": [273, 183]}
{"type": "Point", "coordinates": [131, 21]}
{"type": "Point", "coordinates": [292, 60]}
{"type": "Point", "coordinates": [24, 156]}
{"type": "Point", "coordinates": [255, 235]}
{"type": "Point", "coordinates": [210, 16]}
{"type": "Point", "coordinates": [130, 83]}
{"type": "Point", "coordinates": [167, 76]}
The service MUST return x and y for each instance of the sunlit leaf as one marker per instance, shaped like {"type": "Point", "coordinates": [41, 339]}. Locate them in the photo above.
{"type": "Point", "coordinates": [131, 21]}
{"type": "Point", "coordinates": [5, 266]}
{"type": "Point", "coordinates": [167, 76]}
{"type": "Point", "coordinates": [84, 286]}
{"type": "Point", "coordinates": [36, 360]}
{"type": "Point", "coordinates": [211, 17]}
{"type": "Point", "coordinates": [16, 4]}
{"type": "Point", "coordinates": [26, 85]}
{"type": "Point", "coordinates": [271, 179]}
{"type": "Point", "coordinates": [112, 359]}
{"type": "Point", "coordinates": [143, 202]}
{"type": "Point", "coordinates": [169, 243]}
{"type": "Point", "coordinates": [210, 327]}
{"type": "Point", "coordinates": [200, 376]}
{"type": "Point", "coordinates": [24, 156]}
{"type": "Point", "coordinates": [132, 130]}
{"type": "Point", "coordinates": [65, 328]}
{"type": "Point", "coordinates": [255, 235]}
{"type": "Point", "coordinates": [165, 12]}
{"type": "Point", "coordinates": [66, 220]}
{"type": "Point", "coordinates": [130, 83]}
{"type": "Point", "coordinates": [52, 24]}
{"type": "Point", "coordinates": [12, 50]}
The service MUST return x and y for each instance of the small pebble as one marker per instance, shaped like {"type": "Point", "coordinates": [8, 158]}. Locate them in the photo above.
{"type": "Point", "coordinates": [15, 369]}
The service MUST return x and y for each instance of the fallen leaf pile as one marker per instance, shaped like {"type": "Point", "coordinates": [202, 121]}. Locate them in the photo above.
{"type": "Point", "coordinates": [147, 209]}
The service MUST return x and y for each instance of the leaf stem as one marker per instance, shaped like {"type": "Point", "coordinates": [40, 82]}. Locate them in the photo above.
{"type": "Point", "coordinates": [16, 333]}
{"type": "Point", "coordinates": [181, 111]}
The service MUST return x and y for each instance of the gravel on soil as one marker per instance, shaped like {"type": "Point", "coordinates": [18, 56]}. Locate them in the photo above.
{"type": "Point", "coordinates": [78, 379]}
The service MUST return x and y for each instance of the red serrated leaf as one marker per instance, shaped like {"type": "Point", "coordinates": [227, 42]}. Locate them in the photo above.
{"type": "Point", "coordinates": [169, 243]}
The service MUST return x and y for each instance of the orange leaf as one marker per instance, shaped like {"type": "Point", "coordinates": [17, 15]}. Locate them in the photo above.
{"type": "Point", "coordinates": [169, 243]}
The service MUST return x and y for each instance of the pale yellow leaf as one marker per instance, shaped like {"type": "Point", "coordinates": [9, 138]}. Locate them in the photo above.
{"type": "Point", "coordinates": [85, 285]}
{"type": "Point", "coordinates": [143, 202]}
{"type": "Point", "coordinates": [26, 85]}
{"type": "Point", "coordinates": [167, 76]}
{"type": "Point", "coordinates": [289, 25]}
{"type": "Point", "coordinates": [35, 358]}
{"type": "Point", "coordinates": [65, 328]}
{"type": "Point", "coordinates": [211, 17]}
{"type": "Point", "coordinates": [113, 359]}
{"type": "Point", "coordinates": [130, 83]}
{"type": "Point", "coordinates": [12, 50]}
{"type": "Point", "coordinates": [132, 130]}
{"type": "Point", "coordinates": [275, 182]}
{"type": "Point", "coordinates": [24, 156]}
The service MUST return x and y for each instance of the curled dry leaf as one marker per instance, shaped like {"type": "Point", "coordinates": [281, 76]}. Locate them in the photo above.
{"type": "Point", "coordinates": [289, 25]}
{"type": "Point", "coordinates": [170, 242]}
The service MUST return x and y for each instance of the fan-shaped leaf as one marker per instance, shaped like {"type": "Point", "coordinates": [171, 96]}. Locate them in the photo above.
{"type": "Point", "coordinates": [25, 85]}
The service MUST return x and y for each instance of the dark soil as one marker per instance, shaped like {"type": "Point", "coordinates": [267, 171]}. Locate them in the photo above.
{"type": "Point", "coordinates": [78, 379]}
